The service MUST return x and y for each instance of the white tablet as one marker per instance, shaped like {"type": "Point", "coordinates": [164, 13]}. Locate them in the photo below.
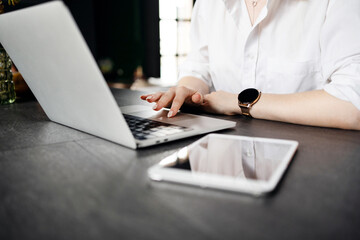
{"type": "Point", "coordinates": [226, 162]}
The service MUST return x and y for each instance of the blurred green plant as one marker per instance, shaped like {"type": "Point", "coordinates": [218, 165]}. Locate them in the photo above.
{"type": "Point", "coordinates": [4, 3]}
{"type": "Point", "coordinates": [7, 87]}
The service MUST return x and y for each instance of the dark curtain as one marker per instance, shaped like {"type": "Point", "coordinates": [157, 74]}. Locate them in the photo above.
{"type": "Point", "coordinates": [121, 34]}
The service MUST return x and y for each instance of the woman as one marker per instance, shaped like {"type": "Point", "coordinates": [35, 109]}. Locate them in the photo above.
{"type": "Point", "coordinates": [301, 56]}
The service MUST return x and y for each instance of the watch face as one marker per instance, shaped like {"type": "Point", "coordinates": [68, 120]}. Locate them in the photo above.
{"type": "Point", "coordinates": [248, 95]}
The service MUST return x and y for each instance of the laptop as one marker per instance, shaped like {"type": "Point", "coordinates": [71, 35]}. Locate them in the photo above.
{"type": "Point", "coordinates": [48, 49]}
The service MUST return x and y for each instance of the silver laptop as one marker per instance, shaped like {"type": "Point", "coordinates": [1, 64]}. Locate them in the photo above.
{"type": "Point", "coordinates": [47, 47]}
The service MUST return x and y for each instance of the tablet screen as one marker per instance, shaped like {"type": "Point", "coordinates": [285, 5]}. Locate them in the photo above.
{"type": "Point", "coordinates": [238, 158]}
{"type": "Point", "coordinates": [235, 163]}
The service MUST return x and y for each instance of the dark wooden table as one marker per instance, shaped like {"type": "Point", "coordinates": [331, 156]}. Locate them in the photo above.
{"type": "Point", "coordinates": [59, 183]}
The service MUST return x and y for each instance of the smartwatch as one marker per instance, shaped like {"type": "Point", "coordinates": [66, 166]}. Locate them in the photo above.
{"type": "Point", "coordinates": [247, 99]}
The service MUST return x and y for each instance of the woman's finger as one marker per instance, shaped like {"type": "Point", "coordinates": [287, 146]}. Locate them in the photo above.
{"type": "Point", "coordinates": [197, 98]}
{"type": "Point", "coordinates": [152, 97]}
{"type": "Point", "coordinates": [183, 95]}
{"type": "Point", "coordinates": [165, 99]}
{"type": "Point", "coordinates": [143, 97]}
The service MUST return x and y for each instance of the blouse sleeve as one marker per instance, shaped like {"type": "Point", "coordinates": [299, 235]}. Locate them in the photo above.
{"type": "Point", "coordinates": [197, 62]}
{"type": "Point", "coordinates": [340, 50]}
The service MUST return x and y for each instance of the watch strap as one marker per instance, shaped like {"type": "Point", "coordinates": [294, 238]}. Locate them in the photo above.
{"type": "Point", "coordinates": [245, 110]}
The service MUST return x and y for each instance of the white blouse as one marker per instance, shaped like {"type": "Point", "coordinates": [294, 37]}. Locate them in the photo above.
{"type": "Point", "coordinates": [294, 46]}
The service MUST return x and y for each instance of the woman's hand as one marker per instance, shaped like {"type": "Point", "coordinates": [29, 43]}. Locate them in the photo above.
{"type": "Point", "coordinates": [174, 97]}
{"type": "Point", "coordinates": [221, 102]}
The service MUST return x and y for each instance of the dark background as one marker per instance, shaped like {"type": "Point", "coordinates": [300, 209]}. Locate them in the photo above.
{"type": "Point", "coordinates": [121, 34]}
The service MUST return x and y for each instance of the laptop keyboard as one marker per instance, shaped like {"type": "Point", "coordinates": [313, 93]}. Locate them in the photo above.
{"type": "Point", "coordinates": [143, 128]}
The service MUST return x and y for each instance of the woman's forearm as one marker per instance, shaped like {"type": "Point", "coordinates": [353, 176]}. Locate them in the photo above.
{"type": "Point", "coordinates": [316, 108]}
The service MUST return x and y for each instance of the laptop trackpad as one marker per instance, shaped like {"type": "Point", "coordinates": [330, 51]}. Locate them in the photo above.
{"type": "Point", "coordinates": [181, 119]}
